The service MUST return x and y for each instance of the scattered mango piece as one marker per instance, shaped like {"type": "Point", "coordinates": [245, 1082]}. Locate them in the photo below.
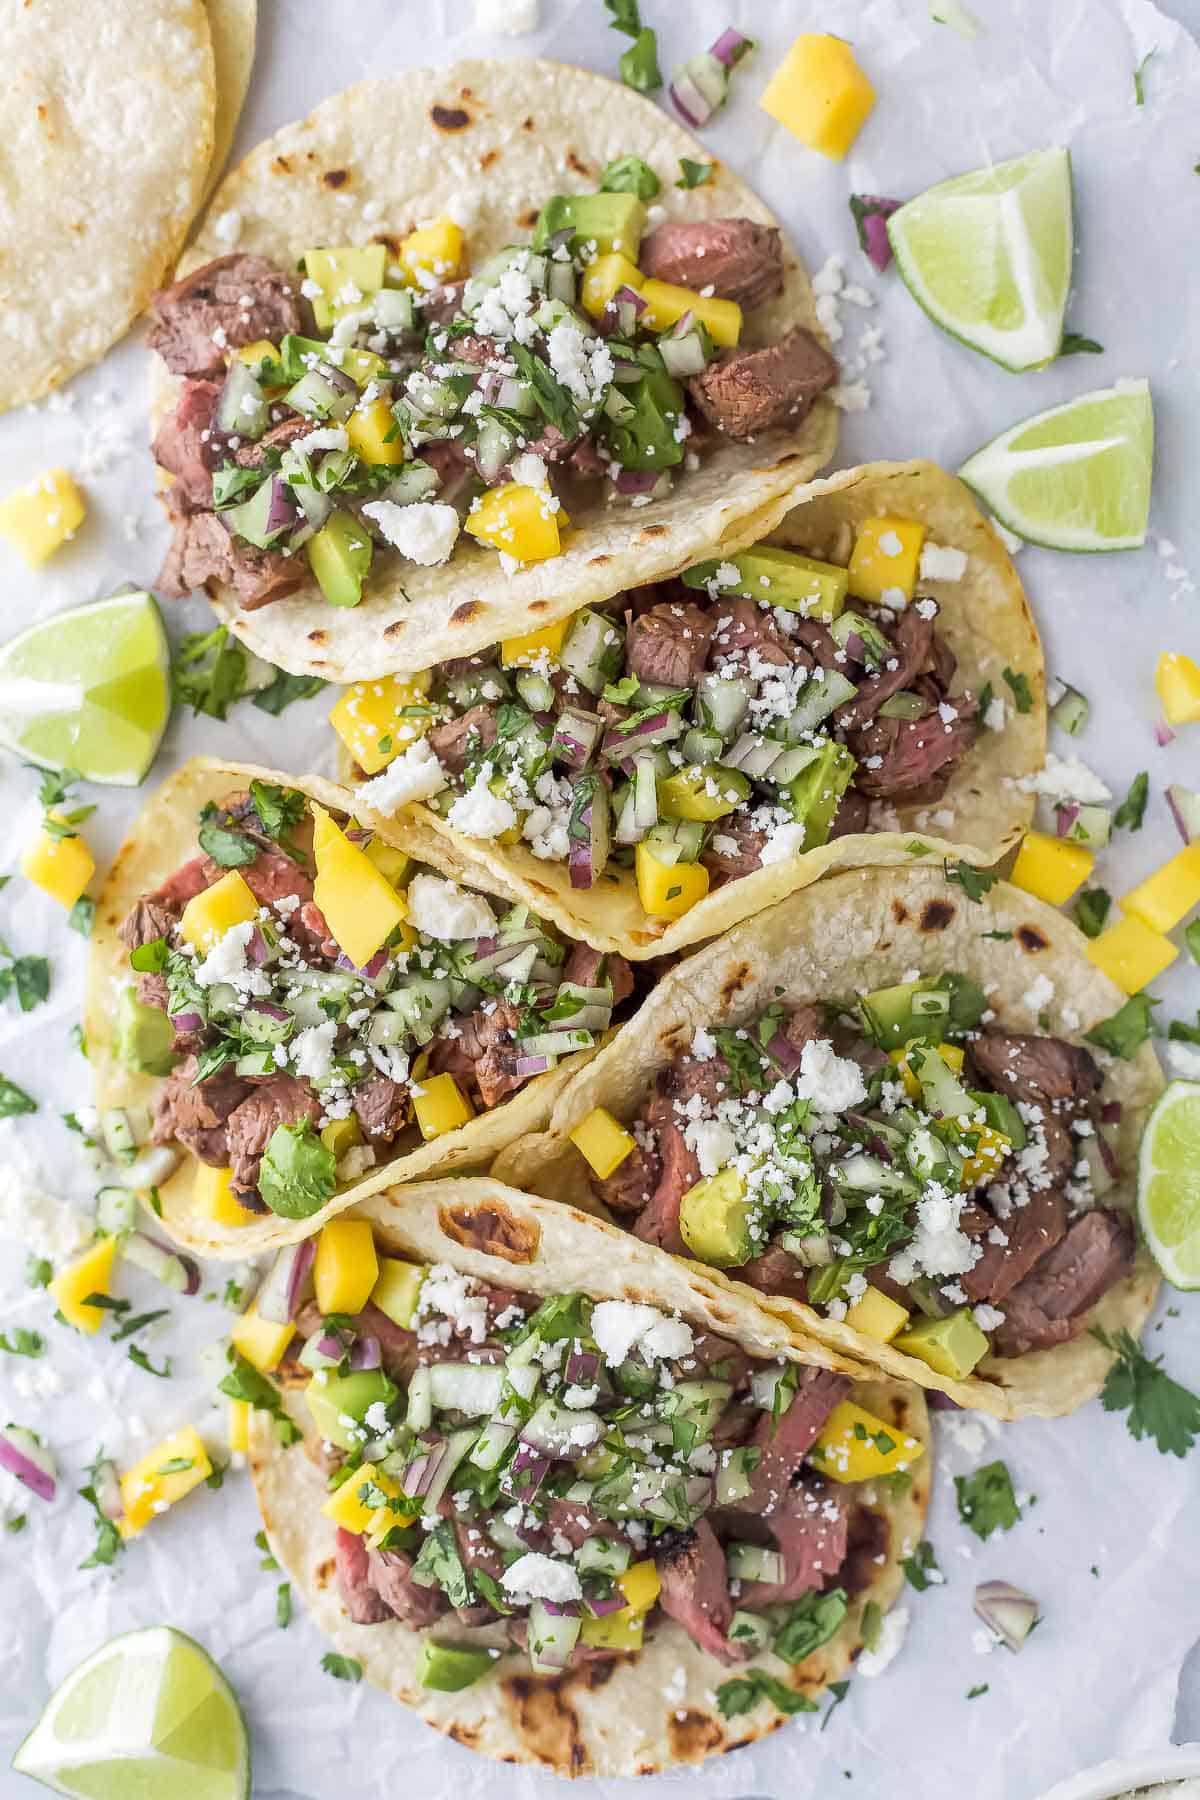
{"type": "Point", "coordinates": [398, 1289]}
{"type": "Point", "coordinates": [373, 720]}
{"type": "Point", "coordinates": [604, 277]}
{"type": "Point", "coordinates": [163, 1476]}
{"type": "Point", "coordinates": [239, 1426]}
{"type": "Point", "coordinates": [856, 1446]}
{"type": "Point", "coordinates": [1050, 868]}
{"type": "Point", "coordinates": [522, 652]}
{"type": "Point", "coordinates": [216, 910]}
{"type": "Point", "coordinates": [374, 434]}
{"type": "Point", "coordinates": [1130, 953]}
{"type": "Point", "coordinates": [260, 1341]}
{"type": "Point", "coordinates": [346, 1508]}
{"type": "Point", "coordinates": [1164, 897]}
{"type": "Point", "coordinates": [820, 94]}
{"type": "Point", "coordinates": [432, 254]}
{"type": "Point", "coordinates": [1177, 679]}
{"type": "Point", "coordinates": [361, 907]}
{"type": "Point", "coordinates": [666, 304]}
{"type": "Point", "coordinates": [885, 560]}
{"type": "Point", "coordinates": [214, 1197]}
{"type": "Point", "coordinates": [90, 1273]}
{"type": "Point", "coordinates": [440, 1106]}
{"type": "Point", "coordinates": [40, 516]}
{"type": "Point", "coordinates": [61, 867]}
{"type": "Point", "coordinates": [668, 890]}
{"type": "Point", "coordinates": [877, 1316]}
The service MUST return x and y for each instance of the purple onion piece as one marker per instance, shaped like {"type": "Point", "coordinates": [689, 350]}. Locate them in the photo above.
{"type": "Point", "coordinates": [939, 1402]}
{"type": "Point", "coordinates": [306, 1252]}
{"type": "Point", "coordinates": [1110, 1112]}
{"type": "Point", "coordinates": [636, 481]}
{"type": "Point", "coordinates": [1007, 1611]}
{"type": "Point", "coordinates": [582, 1366]}
{"type": "Point", "coordinates": [627, 296]}
{"type": "Point", "coordinates": [1163, 735]}
{"type": "Point", "coordinates": [784, 1052]}
{"type": "Point", "coordinates": [856, 650]}
{"type": "Point", "coordinates": [524, 1067]}
{"type": "Point", "coordinates": [281, 508]}
{"type": "Point", "coordinates": [693, 107]}
{"type": "Point", "coordinates": [562, 1609]}
{"type": "Point", "coordinates": [38, 1480]}
{"type": "Point", "coordinates": [600, 1605]}
{"type": "Point", "coordinates": [366, 1354]}
{"type": "Point", "coordinates": [730, 47]}
{"type": "Point", "coordinates": [256, 948]}
{"type": "Point", "coordinates": [187, 1021]}
{"type": "Point", "coordinates": [369, 969]}
{"type": "Point", "coordinates": [1065, 817]}
{"type": "Point", "coordinates": [871, 212]}
{"type": "Point", "coordinates": [330, 1346]}
{"type": "Point", "coordinates": [269, 1010]}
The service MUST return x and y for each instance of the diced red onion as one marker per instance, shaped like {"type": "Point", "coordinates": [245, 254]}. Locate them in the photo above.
{"type": "Point", "coordinates": [366, 1354]}
{"type": "Point", "coordinates": [627, 296]}
{"type": "Point", "coordinates": [1110, 1112]}
{"type": "Point", "coordinates": [1007, 1611]}
{"type": "Point", "coordinates": [1163, 735]}
{"type": "Point", "coordinates": [358, 834]}
{"type": "Point", "coordinates": [281, 507]}
{"type": "Point", "coordinates": [419, 1475]}
{"type": "Point", "coordinates": [369, 969]}
{"type": "Point", "coordinates": [269, 1010]}
{"type": "Point", "coordinates": [939, 1402]}
{"type": "Point", "coordinates": [530, 1466]}
{"type": "Point", "coordinates": [582, 1366]}
{"type": "Point", "coordinates": [1107, 1156]}
{"type": "Point", "coordinates": [38, 1480]}
{"type": "Point", "coordinates": [856, 650]}
{"type": "Point", "coordinates": [330, 1346]}
{"type": "Point", "coordinates": [871, 212]}
{"type": "Point", "coordinates": [526, 1066]}
{"type": "Point", "coordinates": [730, 47]}
{"type": "Point", "coordinates": [784, 1052]}
{"type": "Point", "coordinates": [600, 1605]}
{"type": "Point", "coordinates": [693, 107]}
{"type": "Point", "coordinates": [562, 1609]}
{"type": "Point", "coordinates": [286, 1287]}
{"type": "Point", "coordinates": [163, 1262]}
{"type": "Point", "coordinates": [187, 1021]}
{"type": "Point", "coordinates": [1065, 817]}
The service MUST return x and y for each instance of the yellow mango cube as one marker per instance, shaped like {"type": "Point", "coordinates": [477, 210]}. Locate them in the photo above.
{"type": "Point", "coordinates": [362, 366]}
{"type": "Point", "coordinates": [668, 890]}
{"type": "Point", "coordinates": [238, 1426]}
{"type": "Point", "coordinates": [640, 1585]}
{"type": "Point", "coordinates": [1130, 953]}
{"type": "Point", "coordinates": [614, 1631]}
{"type": "Point", "coordinates": [432, 255]}
{"type": "Point", "coordinates": [522, 521]}
{"type": "Point", "coordinates": [361, 907]}
{"type": "Point", "coordinates": [398, 1289]}
{"type": "Point", "coordinates": [1177, 679]}
{"type": "Point", "coordinates": [61, 867]}
{"type": "Point", "coordinates": [41, 515]}
{"type": "Point", "coordinates": [604, 277]}
{"type": "Point", "coordinates": [346, 1507]}
{"type": "Point", "coordinates": [855, 1445]}
{"type": "Point", "coordinates": [951, 1054]}
{"type": "Point", "coordinates": [877, 1316]}
{"type": "Point", "coordinates": [374, 434]}
{"type": "Point", "coordinates": [988, 1151]}
{"type": "Point", "coordinates": [259, 351]}
{"type": "Point", "coordinates": [666, 304]}
{"type": "Point", "coordinates": [90, 1273]}
{"type": "Point", "coordinates": [885, 560]}
{"type": "Point", "coordinates": [374, 720]}
{"type": "Point", "coordinates": [214, 1197]}
{"type": "Point", "coordinates": [392, 864]}
{"type": "Point", "coordinates": [440, 1106]}
{"type": "Point", "coordinates": [346, 1267]}
{"type": "Point", "coordinates": [347, 278]}
{"type": "Point", "coordinates": [210, 914]}
{"type": "Point", "coordinates": [341, 1135]}
{"type": "Point", "coordinates": [820, 94]}
{"type": "Point", "coordinates": [602, 1142]}
{"type": "Point", "coordinates": [522, 652]}
{"type": "Point", "coordinates": [163, 1476]}
{"type": "Point", "coordinates": [261, 1341]}
{"type": "Point", "coordinates": [1050, 867]}
{"type": "Point", "coordinates": [1164, 897]}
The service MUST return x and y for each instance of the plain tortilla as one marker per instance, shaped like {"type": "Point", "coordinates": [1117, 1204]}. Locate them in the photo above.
{"type": "Point", "coordinates": [234, 27]}
{"type": "Point", "coordinates": [986, 622]}
{"type": "Point", "coordinates": [849, 934]}
{"type": "Point", "coordinates": [491, 142]}
{"type": "Point", "coordinates": [577, 1723]}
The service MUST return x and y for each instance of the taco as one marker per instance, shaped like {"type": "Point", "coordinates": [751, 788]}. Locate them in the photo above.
{"type": "Point", "coordinates": [304, 1010]}
{"type": "Point", "coordinates": [573, 1506]}
{"type": "Point", "coordinates": [865, 685]}
{"type": "Point", "coordinates": [876, 1105]}
{"type": "Point", "coordinates": [234, 27]}
{"type": "Point", "coordinates": [430, 373]}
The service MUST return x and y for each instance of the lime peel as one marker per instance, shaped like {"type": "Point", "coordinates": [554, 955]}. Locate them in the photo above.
{"type": "Point", "coordinates": [1169, 1184]}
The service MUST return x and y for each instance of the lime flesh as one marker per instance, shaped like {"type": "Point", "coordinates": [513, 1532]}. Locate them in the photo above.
{"type": "Point", "coordinates": [1077, 477]}
{"type": "Point", "coordinates": [148, 1717]}
{"type": "Point", "coordinates": [988, 256]}
{"type": "Point", "coordinates": [1169, 1184]}
{"type": "Point", "coordinates": [89, 689]}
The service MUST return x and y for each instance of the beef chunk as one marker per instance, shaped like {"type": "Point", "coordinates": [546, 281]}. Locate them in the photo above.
{"type": "Point", "coordinates": [745, 392]}
{"type": "Point", "coordinates": [1048, 1307]}
{"type": "Point", "coordinates": [786, 1441]}
{"type": "Point", "coordinates": [391, 1577]}
{"type": "Point", "coordinates": [912, 647]}
{"type": "Point", "coordinates": [734, 849]}
{"type": "Point", "coordinates": [251, 456]}
{"type": "Point", "coordinates": [853, 815]}
{"type": "Point", "coordinates": [459, 739]}
{"type": "Point", "coordinates": [811, 1529]}
{"type": "Point", "coordinates": [736, 258]}
{"type": "Point", "coordinates": [202, 550]}
{"type": "Point", "coordinates": [381, 1108]}
{"type": "Point", "coordinates": [630, 1187]}
{"type": "Point", "coordinates": [918, 755]}
{"type": "Point", "coordinates": [746, 628]}
{"type": "Point", "coordinates": [592, 968]}
{"type": "Point", "coordinates": [1026, 1066]}
{"type": "Point", "coordinates": [186, 882]}
{"type": "Point", "coordinates": [1031, 1231]}
{"type": "Point", "coordinates": [695, 1591]}
{"type": "Point", "coordinates": [226, 304]}
{"type": "Point", "coordinates": [776, 1271]}
{"type": "Point", "coordinates": [668, 645]}
{"type": "Point", "coordinates": [198, 1116]}
{"type": "Point", "coordinates": [283, 1100]}
{"type": "Point", "coordinates": [148, 921]}
{"type": "Point", "coordinates": [360, 1597]}
{"type": "Point", "coordinates": [189, 448]}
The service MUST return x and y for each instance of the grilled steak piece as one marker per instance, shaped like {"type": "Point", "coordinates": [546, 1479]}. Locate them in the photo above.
{"type": "Point", "coordinates": [918, 754]}
{"type": "Point", "coordinates": [912, 646]}
{"type": "Point", "coordinates": [747, 391]}
{"type": "Point", "coordinates": [283, 1100]}
{"type": "Point", "coordinates": [853, 814]}
{"type": "Point", "coordinates": [252, 456]}
{"type": "Point", "coordinates": [230, 302]}
{"type": "Point", "coordinates": [786, 1441]}
{"type": "Point", "coordinates": [1025, 1066]}
{"type": "Point", "coordinates": [203, 551]}
{"type": "Point", "coordinates": [669, 645]}
{"type": "Point", "coordinates": [1031, 1231]}
{"type": "Point", "coordinates": [1048, 1307]}
{"type": "Point", "coordinates": [695, 1591]}
{"type": "Point", "coordinates": [659, 1221]}
{"type": "Point", "coordinates": [776, 1271]}
{"type": "Point", "coordinates": [734, 849]}
{"type": "Point", "coordinates": [145, 923]}
{"type": "Point", "coordinates": [360, 1597]}
{"type": "Point", "coordinates": [188, 447]}
{"type": "Point", "coordinates": [747, 629]}
{"type": "Point", "coordinates": [811, 1530]}
{"type": "Point", "coordinates": [459, 739]}
{"type": "Point", "coordinates": [630, 1187]}
{"type": "Point", "coordinates": [391, 1577]}
{"type": "Point", "coordinates": [198, 1117]}
{"type": "Point", "coordinates": [736, 258]}
{"type": "Point", "coordinates": [397, 1346]}
{"type": "Point", "coordinates": [381, 1108]}
{"type": "Point", "coordinates": [183, 885]}
{"type": "Point", "coordinates": [592, 968]}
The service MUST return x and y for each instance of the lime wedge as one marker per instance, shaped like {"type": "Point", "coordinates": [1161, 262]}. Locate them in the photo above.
{"type": "Point", "coordinates": [1076, 477]}
{"type": "Point", "coordinates": [1169, 1184]}
{"type": "Point", "coordinates": [988, 256]}
{"type": "Point", "coordinates": [148, 1717]}
{"type": "Point", "coordinates": [89, 689]}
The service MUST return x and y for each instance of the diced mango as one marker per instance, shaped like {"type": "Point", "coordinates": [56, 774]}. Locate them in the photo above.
{"type": "Point", "coordinates": [855, 1445]}
{"type": "Point", "coordinates": [372, 718]}
{"type": "Point", "coordinates": [666, 304]}
{"type": "Point", "coordinates": [374, 434]}
{"type": "Point", "coordinates": [214, 1197]}
{"type": "Point", "coordinates": [877, 1316]}
{"type": "Point", "coordinates": [346, 277]}
{"type": "Point", "coordinates": [640, 1585]}
{"type": "Point", "coordinates": [362, 366]}
{"type": "Point", "coordinates": [259, 351]}
{"type": "Point", "coordinates": [602, 1141]}
{"type": "Point", "coordinates": [614, 1631]}
{"type": "Point", "coordinates": [668, 890]}
{"type": "Point", "coordinates": [216, 910]}
{"type": "Point", "coordinates": [238, 1426]}
{"type": "Point", "coordinates": [1130, 954]}
{"type": "Point", "coordinates": [40, 516]}
{"type": "Point", "coordinates": [345, 1507]}
{"type": "Point", "coordinates": [261, 1341]}
{"type": "Point", "coordinates": [398, 1290]}
{"type": "Point", "coordinates": [1177, 679]}
{"type": "Point", "coordinates": [361, 907]}
{"type": "Point", "coordinates": [820, 94]}
{"type": "Point", "coordinates": [346, 1266]}
{"type": "Point", "coordinates": [163, 1476]}
{"type": "Point", "coordinates": [951, 1054]}
{"type": "Point", "coordinates": [522, 652]}
{"type": "Point", "coordinates": [1164, 897]}
{"type": "Point", "coordinates": [341, 1135]}
{"type": "Point", "coordinates": [61, 867]}
{"type": "Point", "coordinates": [392, 864]}
{"type": "Point", "coordinates": [441, 1106]}
{"type": "Point", "coordinates": [988, 1151]}
{"type": "Point", "coordinates": [432, 254]}
{"type": "Point", "coordinates": [90, 1273]}
{"type": "Point", "coordinates": [522, 521]}
{"type": "Point", "coordinates": [1050, 867]}
{"type": "Point", "coordinates": [605, 277]}
{"type": "Point", "coordinates": [885, 560]}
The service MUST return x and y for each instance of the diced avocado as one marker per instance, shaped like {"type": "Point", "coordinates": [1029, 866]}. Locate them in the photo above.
{"type": "Point", "coordinates": [610, 221]}
{"type": "Point", "coordinates": [347, 279]}
{"type": "Point", "coordinates": [702, 791]}
{"type": "Point", "coordinates": [714, 1220]}
{"type": "Point", "coordinates": [780, 577]}
{"type": "Point", "coordinates": [339, 1402]}
{"type": "Point", "coordinates": [941, 1090]}
{"type": "Point", "coordinates": [890, 1018]}
{"type": "Point", "coordinates": [250, 519]}
{"type": "Point", "coordinates": [340, 556]}
{"type": "Point", "coordinates": [143, 1036]}
{"type": "Point", "coordinates": [448, 1667]}
{"type": "Point", "coordinates": [1002, 1116]}
{"type": "Point", "coordinates": [816, 793]}
{"type": "Point", "coordinates": [951, 1346]}
{"type": "Point", "coordinates": [642, 434]}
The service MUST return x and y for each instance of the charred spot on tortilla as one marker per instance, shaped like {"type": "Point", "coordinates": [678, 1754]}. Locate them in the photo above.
{"type": "Point", "coordinates": [693, 1734]}
{"type": "Point", "coordinates": [492, 1229]}
{"type": "Point", "coordinates": [546, 1724]}
{"type": "Point", "coordinates": [450, 118]}
{"type": "Point", "coordinates": [576, 163]}
{"type": "Point", "coordinates": [467, 610]}
{"type": "Point", "coordinates": [396, 628]}
{"type": "Point", "coordinates": [734, 982]}
{"type": "Point", "coordinates": [1032, 939]}
{"type": "Point", "coordinates": [488, 158]}
{"type": "Point", "coordinates": [899, 912]}
{"type": "Point", "coordinates": [529, 219]}
{"type": "Point", "coordinates": [317, 637]}
{"type": "Point", "coordinates": [867, 1543]}
{"type": "Point", "coordinates": [324, 1572]}
{"type": "Point", "coordinates": [596, 562]}
{"type": "Point", "coordinates": [538, 605]}
{"type": "Point", "coordinates": [936, 915]}
{"type": "Point", "coordinates": [336, 178]}
{"type": "Point", "coordinates": [462, 1734]}
{"type": "Point", "coordinates": [653, 531]}
{"type": "Point", "coordinates": [280, 165]}
{"type": "Point", "coordinates": [527, 125]}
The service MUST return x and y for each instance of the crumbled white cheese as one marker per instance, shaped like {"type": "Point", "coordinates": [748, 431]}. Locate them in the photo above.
{"type": "Point", "coordinates": [892, 1633]}
{"type": "Point", "coordinates": [537, 1577]}
{"type": "Point", "coordinates": [452, 1295]}
{"type": "Point", "coordinates": [713, 1143]}
{"type": "Point", "coordinates": [939, 562]}
{"type": "Point", "coordinates": [1067, 780]}
{"type": "Point", "coordinates": [1039, 994]}
{"type": "Point", "coordinates": [414, 776]}
{"type": "Point", "coordinates": [325, 437]}
{"type": "Point", "coordinates": [226, 960]}
{"type": "Point", "coordinates": [425, 531]}
{"type": "Point", "coordinates": [481, 814]}
{"type": "Point", "coordinates": [832, 1082]}
{"type": "Point", "coordinates": [312, 1051]}
{"type": "Point", "coordinates": [45, 1225]}
{"type": "Point", "coordinates": [529, 470]}
{"type": "Point", "coordinates": [441, 909]}
{"type": "Point", "coordinates": [1185, 1060]}
{"type": "Point", "coordinates": [619, 1325]}
{"type": "Point", "coordinates": [784, 842]}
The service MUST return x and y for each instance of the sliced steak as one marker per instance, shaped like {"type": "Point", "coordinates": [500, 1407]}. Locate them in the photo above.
{"type": "Point", "coordinates": [397, 1346]}
{"type": "Point", "coordinates": [1048, 1307]}
{"type": "Point", "coordinates": [252, 456]}
{"type": "Point", "coordinates": [459, 739]}
{"type": "Point", "coordinates": [272, 876]}
{"type": "Point", "coordinates": [745, 392]}
{"type": "Point", "coordinates": [360, 1597]}
{"type": "Point", "coordinates": [915, 756]}
{"type": "Point", "coordinates": [720, 1358]}
{"type": "Point", "coordinates": [629, 1188]}
{"type": "Point", "coordinates": [576, 1522]}
{"type": "Point", "coordinates": [391, 1577]}
{"type": "Point", "coordinates": [1026, 1066]}
{"type": "Point", "coordinates": [734, 849]}
{"type": "Point", "coordinates": [188, 447]}
{"type": "Point", "coordinates": [224, 305]}
{"type": "Point", "coordinates": [186, 882]}
{"type": "Point", "coordinates": [786, 1442]}
{"type": "Point", "coordinates": [852, 816]}
{"type": "Point", "coordinates": [658, 1223]}
{"type": "Point", "coordinates": [146, 923]}
{"type": "Point", "coordinates": [283, 1100]}
{"type": "Point", "coordinates": [381, 1108]}
{"type": "Point", "coordinates": [805, 1025]}
{"type": "Point", "coordinates": [912, 652]}
{"type": "Point", "coordinates": [202, 551]}
{"type": "Point", "coordinates": [811, 1530]}
{"type": "Point", "coordinates": [735, 258]}
{"type": "Point", "coordinates": [1031, 1231]}
{"type": "Point", "coordinates": [477, 1551]}
{"type": "Point", "coordinates": [695, 1592]}
{"type": "Point", "coordinates": [748, 629]}
{"type": "Point", "coordinates": [592, 968]}
{"type": "Point", "coordinates": [776, 1271]}
{"type": "Point", "coordinates": [442, 305]}
{"type": "Point", "coordinates": [197, 1117]}
{"type": "Point", "coordinates": [668, 645]}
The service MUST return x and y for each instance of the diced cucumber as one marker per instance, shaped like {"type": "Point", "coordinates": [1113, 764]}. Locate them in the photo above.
{"type": "Point", "coordinates": [1091, 825]}
{"type": "Point", "coordinates": [603, 1556]}
{"type": "Point", "coordinates": [724, 701]}
{"type": "Point", "coordinates": [754, 1562]}
{"type": "Point", "coordinates": [1070, 711]}
{"type": "Point", "coordinates": [593, 649]}
{"type": "Point", "coordinates": [750, 1629]}
{"type": "Point", "coordinates": [537, 692]}
{"type": "Point", "coordinates": [552, 1638]}
{"type": "Point", "coordinates": [116, 1210]}
{"type": "Point", "coordinates": [818, 698]}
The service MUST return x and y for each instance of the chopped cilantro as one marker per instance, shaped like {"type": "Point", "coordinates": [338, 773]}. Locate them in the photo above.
{"type": "Point", "coordinates": [138, 1356]}
{"type": "Point", "coordinates": [28, 977]}
{"type": "Point", "coordinates": [22, 1342]}
{"type": "Point", "coordinates": [620, 693]}
{"type": "Point", "coordinates": [639, 64]}
{"type": "Point", "coordinates": [438, 1557]}
{"type": "Point", "coordinates": [552, 399]}
{"type": "Point", "coordinates": [228, 849]}
{"type": "Point", "coordinates": [268, 1561]}
{"type": "Point", "coordinates": [1126, 1030]}
{"type": "Point", "coordinates": [975, 883]}
{"type": "Point", "coordinates": [82, 915]}
{"type": "Point", "coordinates": [839, 1690]}
{"type": "Point", "coordinates": [693, 174]}
{"type": "Point", "coordinates": [1139, 77]}
{"type": "Point", "coordinates": [997, 937]}
{"type": "Point", "coordinates": [17, 1523]}
{"type": "Point", "coordinates": [1191, 938]}
{"type": "Point", "coordinates": [745, 1692]}
{"type": "Point", "coordinates": [869, 1625]}
{"type": "Point", "coordinates": [1157, 1406]}
{"type": "Point", "coordinates": [129, 1327]}
{"type": "Point", "coordinates": [986, 1501]}
{"type": "Point", "coordinates": [14, 1100]}
{"type": "Point", "coordinates": [38, 1272]}
{"type": "Point", "coordinates": [1074, 345]}
{"type": "Point", "coordinates": [921, 1568]}
{"type": "Point", "coordinates": [1179, 1033]}
{"type": "Point", "coordinates": [975, 1692]}
{"type": "Point", "coordinates": [279, 809]}
{"type": "Point", "coordinates": [915, 847]}
{"type": "Point", "coordinates": [986, 696]}
{"type": "Point", "coordinates": [244, 1382]}
{"type": "Point", "coordinates": [342, 1668]}
{"type": "Point", "coordinates": [808, 1623]}
{"type": "Point", "coordinates": [149, 959]}
{"type": "Point", "coordinates": [1132, 809]}
{"type": "Point", "coordinates": [625, 16]}
{"type": "Point", "coordinates": [109, 1542]}
{"type": "Point", "coordinates": [208, 672]}
{"type": "Point", "coordinates": [283, 688]}
{"type": "Point", "coordinates": [1021, 691]}
{"type": "Point", "coordinates": [1091, 910]}
{"type": "Point", "coordinates": [630, 175]}
{"type": "Point", "coordinates": [283, 1606]}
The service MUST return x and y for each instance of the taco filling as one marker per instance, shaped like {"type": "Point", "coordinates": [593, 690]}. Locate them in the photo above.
{"type": "Point", "coordinates": [315, 1001]}
{"type": "Point", "coordinates": [562, 1478]}
{"type": "Point", "coordinates": [694, 731]}
{"type": "Point", "coordinates": [390, 396]}
{"type": "Point", "coordinates": [894, 1162]}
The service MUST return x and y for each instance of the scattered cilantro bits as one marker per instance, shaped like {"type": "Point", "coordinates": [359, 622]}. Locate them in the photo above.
{"type": "Point", "coordinates": [921, 1569]}
{"type": "Point", "coordinates": [975, 883]}
{"type": "Point", "coordinates": [1021, 691]}
{"type": "Point", "coordinates": [1132, 810]}
{"type": "Point", "coordinates": [1157, 1406]}
{"type": "Point", "coordinates": [986, 1501]}
{"type": "Point", "coordinates": [1126, 1030]}
{"type": "Point", "coordinates": [745, 1692]}
{"type": "Point", "coordinates": [342, 1668]}
{"type": "Point", "coordinates": [1091, 910]}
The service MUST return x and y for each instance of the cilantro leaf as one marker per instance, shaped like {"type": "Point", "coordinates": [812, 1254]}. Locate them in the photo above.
{"type": "Point", "coordinates": [208, 672]}
{"type": "Point", "coordinates": [1132, 809]}
{"type": "Point", "coordinates": [1191, 938]}
{"type": "Point", "coordinates": [809, 1623]}
{"type": "Point", "coordinates": [986, 1501]}
{"type": "Point", "coordinates": [283, 1605]}
{"type": "Point", "coordinates": [279, 809]}
{"type": "Point", "coordinates": [1157, 1406]}
{"type": "Point", "coordinates": [975, 1692]}
{"type": "Point", "coordinates": [921, 1568]}
{"type": "Point", "coordinates": [149, 958]}
{"type": "Point", "coordinates": [1091, 910]}
{"type": "Point", "coordinates": [1139, 77]}
{"type": "Point", "coordinates": [630, 175]}
{"type": "Point", "coordinates": [138, 1356]}
{"type": "Point", "coordinates": [552, 399]}
{"type": "Point", "coordinates": [439, 1557]}
{"type": "Point", "coordinates": [1126, 1030]}
{"type": "Point", "coordinates": [342, 1668]}
{"type": "Point", "coordinates": [693, 174]}
{"type": "Point", "coordinates": [38, 1272]}
{"type": "Point", "coordinates": [975, 883]}
{"type": "Point", "coordinates": [31, 979]}
{"type": "Point", "coordinates": [22, 1342]}
{"type": "Point", "coordinates": [621, 693]}
{"type": "Point", "coordinates": [82, 915]}
{"type": "Point", "coordinates": [1021, 691]}
{"type": "Point", "coordinates": [639, 65]}
{"type": "Point", "coordinates": [747, 1691]}
{"type": "Point", "coordinates": [625, 16]}
{"type": "Point", "coordinates": [1074, 345]}
{"type": "Point", "coordinates": [14, 1100]}
{"type": "Point", "coordinates": [244, 1382]}
{"type": "Point", "coordinates": [1179, 1033]}
{"type": "Point", "coordinates": [229, 849]}
{"type": "Point", "coordinates": [283, 688]}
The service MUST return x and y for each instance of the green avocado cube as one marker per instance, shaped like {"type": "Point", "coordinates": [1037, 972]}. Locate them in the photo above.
{"type": "Point", "coordinates": [951, 1346]}
{"type": "Point", "coordinates": [143, 1036]}
{"type": "Point", "coordinates": [340, 556]}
